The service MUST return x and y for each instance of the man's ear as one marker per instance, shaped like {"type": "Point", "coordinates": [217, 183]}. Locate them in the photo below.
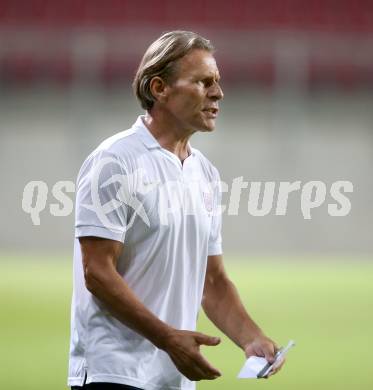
{"type": "Point", "coordinates": [158, 88]}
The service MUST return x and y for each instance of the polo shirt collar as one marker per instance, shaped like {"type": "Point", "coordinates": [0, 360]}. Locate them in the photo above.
{"type": "Point", "coordinates": [147, 137]}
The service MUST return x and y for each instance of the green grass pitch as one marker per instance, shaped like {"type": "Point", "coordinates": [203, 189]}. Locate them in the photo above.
{"type": "Point", "coordinates": [325, 305]}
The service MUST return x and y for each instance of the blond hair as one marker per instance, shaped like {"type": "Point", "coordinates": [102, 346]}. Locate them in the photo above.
{"type": "Point", "coordinates": [160, 60]}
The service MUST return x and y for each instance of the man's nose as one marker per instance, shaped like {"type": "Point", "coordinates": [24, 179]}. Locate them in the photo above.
{"type": "Point", "coordinates": [216, 92]}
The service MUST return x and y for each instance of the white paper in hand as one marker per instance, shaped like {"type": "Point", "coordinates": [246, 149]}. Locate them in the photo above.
{"type": "Point", "coordinates": [254, 364]}
{"type": "Point", "coordinates": [252, 367]}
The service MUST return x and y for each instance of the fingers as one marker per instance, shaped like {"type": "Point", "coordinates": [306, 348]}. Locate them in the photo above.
{"type": "Point", "coordinates": [269, 351]}
{"type": "Point", "coordinates": [198, 368]}
{"type": "Point", "coordinates": [209, 371]}
{"type": "Point", "coordinates": [265, 347]}
{"type": "Point", "coordinates": [185, 353]}
{"type": "Point", "coordinates": [254, 349]}
{"type": "Point", "coordinates": [277, 366]}
{"type": "Point", "coordinates": [199, 373]}
{"type": "Point", "coordinates": [206, 340]}
{"type": "Point", "coordinates": [262, 347]}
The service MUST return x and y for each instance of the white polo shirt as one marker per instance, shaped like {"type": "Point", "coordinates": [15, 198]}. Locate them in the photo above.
{"type": "Point", "coordinates": [167, 214]}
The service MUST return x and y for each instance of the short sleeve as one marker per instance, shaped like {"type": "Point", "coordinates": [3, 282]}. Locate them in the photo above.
{"type": "Point", "coordinates": [215, 239]}
{"type": "Point", "coordinates": [102, 185]}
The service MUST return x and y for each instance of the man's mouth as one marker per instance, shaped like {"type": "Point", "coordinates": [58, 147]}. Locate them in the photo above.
{"type": "Point", "coordinates": [211, 112]}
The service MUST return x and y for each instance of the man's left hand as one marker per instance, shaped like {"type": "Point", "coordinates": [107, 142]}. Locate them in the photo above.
{"type": "Point", "coordinates": [262, 346]}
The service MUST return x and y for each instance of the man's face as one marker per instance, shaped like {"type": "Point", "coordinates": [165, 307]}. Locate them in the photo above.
{"type": "Point", "coordinates": [192, 98]}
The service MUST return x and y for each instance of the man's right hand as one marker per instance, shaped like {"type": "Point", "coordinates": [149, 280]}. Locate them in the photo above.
{"type": "Point", "coordinates": [183, 348]}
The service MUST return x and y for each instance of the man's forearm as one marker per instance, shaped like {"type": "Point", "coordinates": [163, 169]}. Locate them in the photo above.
{"type": "Point", "coordinates": [223, 306]}
{"type": "Point", "coordinates": [121, 301]}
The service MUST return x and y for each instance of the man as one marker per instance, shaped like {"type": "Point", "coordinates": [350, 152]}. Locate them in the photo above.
{"type": "Point", "coordinates": [148, 243]}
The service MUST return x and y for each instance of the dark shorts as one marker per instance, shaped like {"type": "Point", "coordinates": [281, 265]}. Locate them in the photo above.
{"type": "Point", "coordinates": [104, 386]}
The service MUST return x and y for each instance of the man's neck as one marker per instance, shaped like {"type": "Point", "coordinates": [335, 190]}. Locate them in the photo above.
{"type": "Point", "coordinates": [169, 135]}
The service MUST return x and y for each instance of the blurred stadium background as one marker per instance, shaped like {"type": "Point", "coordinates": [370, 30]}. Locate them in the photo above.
{"type": "Point", "coordinates": [298, 83]}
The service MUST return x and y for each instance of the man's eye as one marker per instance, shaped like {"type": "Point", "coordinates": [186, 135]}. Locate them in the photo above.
{"type": "Point", "coordinates": [207, 82]}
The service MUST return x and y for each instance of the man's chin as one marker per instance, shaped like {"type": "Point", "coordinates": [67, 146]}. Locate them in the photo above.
{"type": "Point", "coordinates": [208, 126]}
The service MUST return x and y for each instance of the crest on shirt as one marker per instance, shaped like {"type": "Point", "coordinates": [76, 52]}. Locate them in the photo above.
{"type": "Point", "coordinates": [207, 200]}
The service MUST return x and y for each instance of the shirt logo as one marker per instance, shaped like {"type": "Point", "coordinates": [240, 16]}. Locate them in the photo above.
{"type": "Point", "coordinates": [207, 200]}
